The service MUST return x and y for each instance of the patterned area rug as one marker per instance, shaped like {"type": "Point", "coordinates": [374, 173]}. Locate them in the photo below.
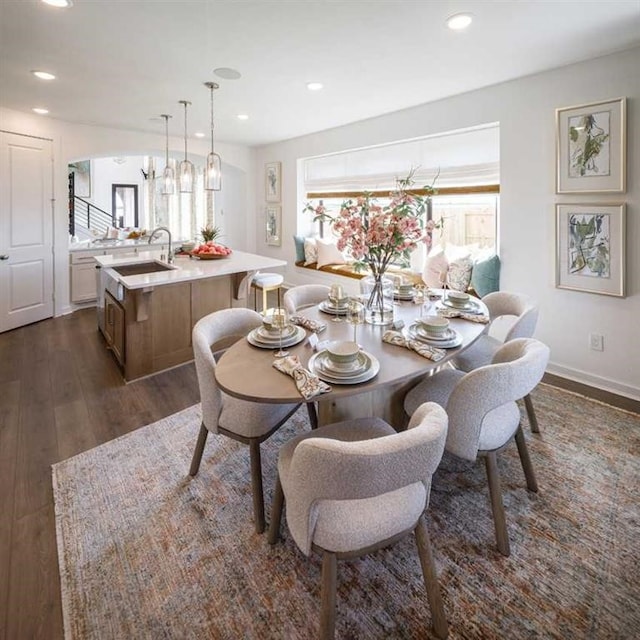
{"type": "Point", "coordinates": [146, 552]}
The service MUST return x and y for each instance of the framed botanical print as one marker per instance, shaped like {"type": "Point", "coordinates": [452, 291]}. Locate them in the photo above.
{"type": "Point", "coordinates": [273, 222]}
{"type": "Point", "coordinates": [272, 181]}
{"type": "Point", "coordinates": [591, 148]}
{"type": "Point", "coordinates": [590, 248]}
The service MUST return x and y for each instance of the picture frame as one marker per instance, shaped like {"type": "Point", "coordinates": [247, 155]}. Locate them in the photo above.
{"type": "Point", "coordinates": [273, 222]}
{"type": "Point", "coordinates": [273, 181]}
{"type": "Point", "coordinates": [81, 178]}
{"type": "Point", "coordinates": [590, 248]}
{"type": "Point", "coordinates": [591, 148]}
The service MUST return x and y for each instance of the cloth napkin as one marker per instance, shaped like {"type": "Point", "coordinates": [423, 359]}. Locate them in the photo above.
{"type": "Point", "coordinates": [308, 384]}
{"type": "Point", "coordinates": [425, 350]}
{"type": "Point", "coordinates": [308, 323]}
{"type": "Point", "coordinates": [474, 317]}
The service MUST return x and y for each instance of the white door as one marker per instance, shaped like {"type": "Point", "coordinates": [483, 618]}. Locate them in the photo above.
{"type": "Point", "coordinates": [26, 230]}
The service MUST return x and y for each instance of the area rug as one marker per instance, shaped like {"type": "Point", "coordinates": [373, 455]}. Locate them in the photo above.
{"type": "Point", "coordinates": [147, 552]}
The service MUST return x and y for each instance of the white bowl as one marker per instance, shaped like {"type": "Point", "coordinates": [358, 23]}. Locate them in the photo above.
{"type": "Point", "coordinates": [342, 352]}
{"type": "Point", "coordinates": [435, 325]}
{"type": "Point", "coordinates": [458, 298]}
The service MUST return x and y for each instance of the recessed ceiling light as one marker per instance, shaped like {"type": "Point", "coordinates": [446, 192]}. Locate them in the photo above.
{"type": "Point", "coordinates": [59, 3]}
{"type": "Point", "coordinates": [199, 134]}
{"type": "Point", "coordinates": [227, 73]}
{"type": "Point", "coordinates": [459, 21]}
{"type": "Point", "coordinates": [314, 86]}
{"type": "Point", "coordinates": [243, 116]}
{"type": "Point", "coordinates": [40, 111]}
{"type": "Point", "coordinates": [44, 75]}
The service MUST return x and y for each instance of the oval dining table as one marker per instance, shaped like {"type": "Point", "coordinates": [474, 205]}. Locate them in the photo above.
{"type": "Point", "coordinates": [247, 372]}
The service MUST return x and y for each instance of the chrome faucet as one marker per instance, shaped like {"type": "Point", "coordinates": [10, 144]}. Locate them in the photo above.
{"type": "Point", "coordinates": [153, 233]}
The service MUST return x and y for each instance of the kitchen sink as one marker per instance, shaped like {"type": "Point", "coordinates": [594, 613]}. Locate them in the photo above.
{"type": "Point", "coordinates": [141, 267]}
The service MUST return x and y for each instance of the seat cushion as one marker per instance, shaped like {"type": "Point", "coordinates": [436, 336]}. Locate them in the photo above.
{"type": "Point", "coordinates": [479, 354]}
{"type": "Point", "coordinates": [267, 280]}
{"type": "Point", "coordinates": [250, 419]}
{"type": "Point", "coordinates": [436, 388]}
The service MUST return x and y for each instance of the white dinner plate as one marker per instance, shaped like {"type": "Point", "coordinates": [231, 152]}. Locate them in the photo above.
{"type": "Point", "coordinates": [329, 308]}
{"type": "Point", "coordinates": [264, 335]}
{"type": "Point", "coordinates": [415, 332]}
{"type": "Point", "coordinates": [356, 368]}
{"type": "Point", "coordinates": [315, 366]}
{"type": "Point", "coordinates": [447, 335]}
{"type": "Point", "coordinates": [255, 339]}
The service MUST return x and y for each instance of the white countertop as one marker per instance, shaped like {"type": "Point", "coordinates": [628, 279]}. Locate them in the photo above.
{"type": "Point", "coordinates": [185, 268]}
{"type": "Point", "coordinates": [105, 245]}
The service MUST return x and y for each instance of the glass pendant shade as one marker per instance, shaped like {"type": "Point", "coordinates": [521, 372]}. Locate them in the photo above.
{"type": "Point", "coordinates": [168, 181]}
{"type": "Point", "coordinates": [186, 176]}
{"type": "Point", "coordinates": [213, 168]}
{"type": "Point", "coordinates": [168, 175]}
{"type": "Point", "coordinates": [213, 173]}
{"type": "Point", "coordinates": [186, 170]}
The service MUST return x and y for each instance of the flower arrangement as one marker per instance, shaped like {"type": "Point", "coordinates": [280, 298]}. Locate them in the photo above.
{"type": "Point", "coordinates": [377, 235]}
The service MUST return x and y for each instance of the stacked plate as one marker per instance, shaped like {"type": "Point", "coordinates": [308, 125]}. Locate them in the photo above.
{"type": "Point", "coordinates": [447, 339]}
{"type": "Point", "coordinates": [403, 294]}
{"type": "Point", "coordinates": [363, 368]}
{"type": "Point", "coordinates": [270, 339]}
{"type": "Point", "coordinates": [327, 307]}
{"type": "Point", "coordinates": [470, 306]}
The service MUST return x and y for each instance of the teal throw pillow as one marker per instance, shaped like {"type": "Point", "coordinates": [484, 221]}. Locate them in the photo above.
{"type": "Point", "coordinates": [299, 240]}
{"type": "Point", "coordinates": [485, 277]}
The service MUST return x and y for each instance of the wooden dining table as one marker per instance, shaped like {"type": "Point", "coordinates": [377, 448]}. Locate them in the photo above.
{"type": "Point", "coordinates": [246, 372]}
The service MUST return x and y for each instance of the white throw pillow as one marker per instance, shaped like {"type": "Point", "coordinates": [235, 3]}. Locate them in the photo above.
{"type": "Point", "coordinates": [435, 266]}
{"type": "Point", "coordinates": [328, 253]}
{"type": "Point", "coordinates": [310, 251]}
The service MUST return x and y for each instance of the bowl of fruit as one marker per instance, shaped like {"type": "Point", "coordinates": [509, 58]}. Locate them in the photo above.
{"type": "Point", "coordinates": [211, 250]}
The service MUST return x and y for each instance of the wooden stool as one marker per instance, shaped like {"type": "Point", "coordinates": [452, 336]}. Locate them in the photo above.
{"type": "Point", "coordinates": [265, 282]}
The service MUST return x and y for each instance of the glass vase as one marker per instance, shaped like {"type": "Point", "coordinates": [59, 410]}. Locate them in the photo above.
{"type": "Point", "coordinates": [377, 297]}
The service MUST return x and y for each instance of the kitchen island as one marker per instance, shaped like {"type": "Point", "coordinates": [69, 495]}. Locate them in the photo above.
{"type": "Point", "coordinates": [147, 307]}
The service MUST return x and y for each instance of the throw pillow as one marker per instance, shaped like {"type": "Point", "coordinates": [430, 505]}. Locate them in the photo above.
{"type": "Point", "coordinates": [299, 242]}
{"type": "Point", "coordinates": [328, 253]}
{"type": "Point", "coordinates": [435, 266]}
{"type": "Point", "coordinates": [459, 274]}
{"type": "Point", "coordinates": [310, 251]}
{"type": "Point", "coordinates": [485, 277]}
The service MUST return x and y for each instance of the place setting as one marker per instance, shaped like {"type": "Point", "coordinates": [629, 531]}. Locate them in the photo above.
{"type": "Point", "coordinates": [458, 304]}
{"type": "Point", "coordinates": [344, 362]}
{"type": "Point", "coordinates": [336, 303]}
{"type": "Point", "coordinates": [276, 332]}
{"type": "Point", "coordinates": [403, 291]}
{"type": "Point", "coordinates": [435, 330]}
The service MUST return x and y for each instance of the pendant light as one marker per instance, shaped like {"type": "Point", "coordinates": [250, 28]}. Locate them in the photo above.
{"type": "Point", "coordinates": [168, 175]}
{"type": "Point", "coordinates": [213, 168]}
{"type": "Point", "coordinates": [186, 172]}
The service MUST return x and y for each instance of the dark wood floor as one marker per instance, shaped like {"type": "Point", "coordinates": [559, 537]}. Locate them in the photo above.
{"type": "Point", "coordinates": [60, 394]}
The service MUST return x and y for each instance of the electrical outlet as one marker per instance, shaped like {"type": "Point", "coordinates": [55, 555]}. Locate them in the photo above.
{"type": "Point", "coordinates": [596, 342]}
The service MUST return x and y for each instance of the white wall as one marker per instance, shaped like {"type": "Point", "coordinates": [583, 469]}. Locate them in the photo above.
{"type": "Point", "coordinates": [78, 142]}
{"type": "Point", "coordinates": [525, 110]}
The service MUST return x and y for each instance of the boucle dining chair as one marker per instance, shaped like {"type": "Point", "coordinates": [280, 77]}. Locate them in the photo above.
{"type": "Point", "coordinates": [304, 295]}
{"type": "Point", "coordinates": [503, 305]}
{"type": "Point", "coordinates": [356, 486]}
{"type": "Point", "coordinates": [248, 422]}
{"type": "Point", "coordinates": [483, 414]}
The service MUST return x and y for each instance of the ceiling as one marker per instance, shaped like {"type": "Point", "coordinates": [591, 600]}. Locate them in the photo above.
{"type": "Point", "coordinates": [122, 63]}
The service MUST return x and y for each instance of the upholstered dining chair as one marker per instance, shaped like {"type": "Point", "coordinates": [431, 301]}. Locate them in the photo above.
{"type": "Point", "coordinates": [356, 486]}
{"type": "Point", "coordinates": [483, 414]}
{"type": "Point", "coordinates": [503, 306]}
{"type": "Point", "coordinates": [248, 422]}
{"type": "Point", "coordinates": [304, 295]}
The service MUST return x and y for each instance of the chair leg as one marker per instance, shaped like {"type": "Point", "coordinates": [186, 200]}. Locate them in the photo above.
{"type": "Point", "coordinates": [264, 299]}
{"type": "Point", "coordinates": [256, 485]}
{"type": "Point", "coordinates": [531, 413]}
{"type": "Point", "coordinates": [276, 512]}
{"type": "Point", "coordinates": [329, 586]}
{"type": "Point", "coordinates": [313, 415]}
{"type": "Point", "coordinates": [495, 493]}
{"type": "Point", "coordinates": [197, 454]}
{"type": "Point", "coordinates": [527, 467]}
{"type": "Point", "coordinates": [431, 580]}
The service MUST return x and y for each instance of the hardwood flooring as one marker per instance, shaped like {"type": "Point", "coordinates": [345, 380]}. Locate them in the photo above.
{"type": "Point", "coordinates": [61, 393]}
